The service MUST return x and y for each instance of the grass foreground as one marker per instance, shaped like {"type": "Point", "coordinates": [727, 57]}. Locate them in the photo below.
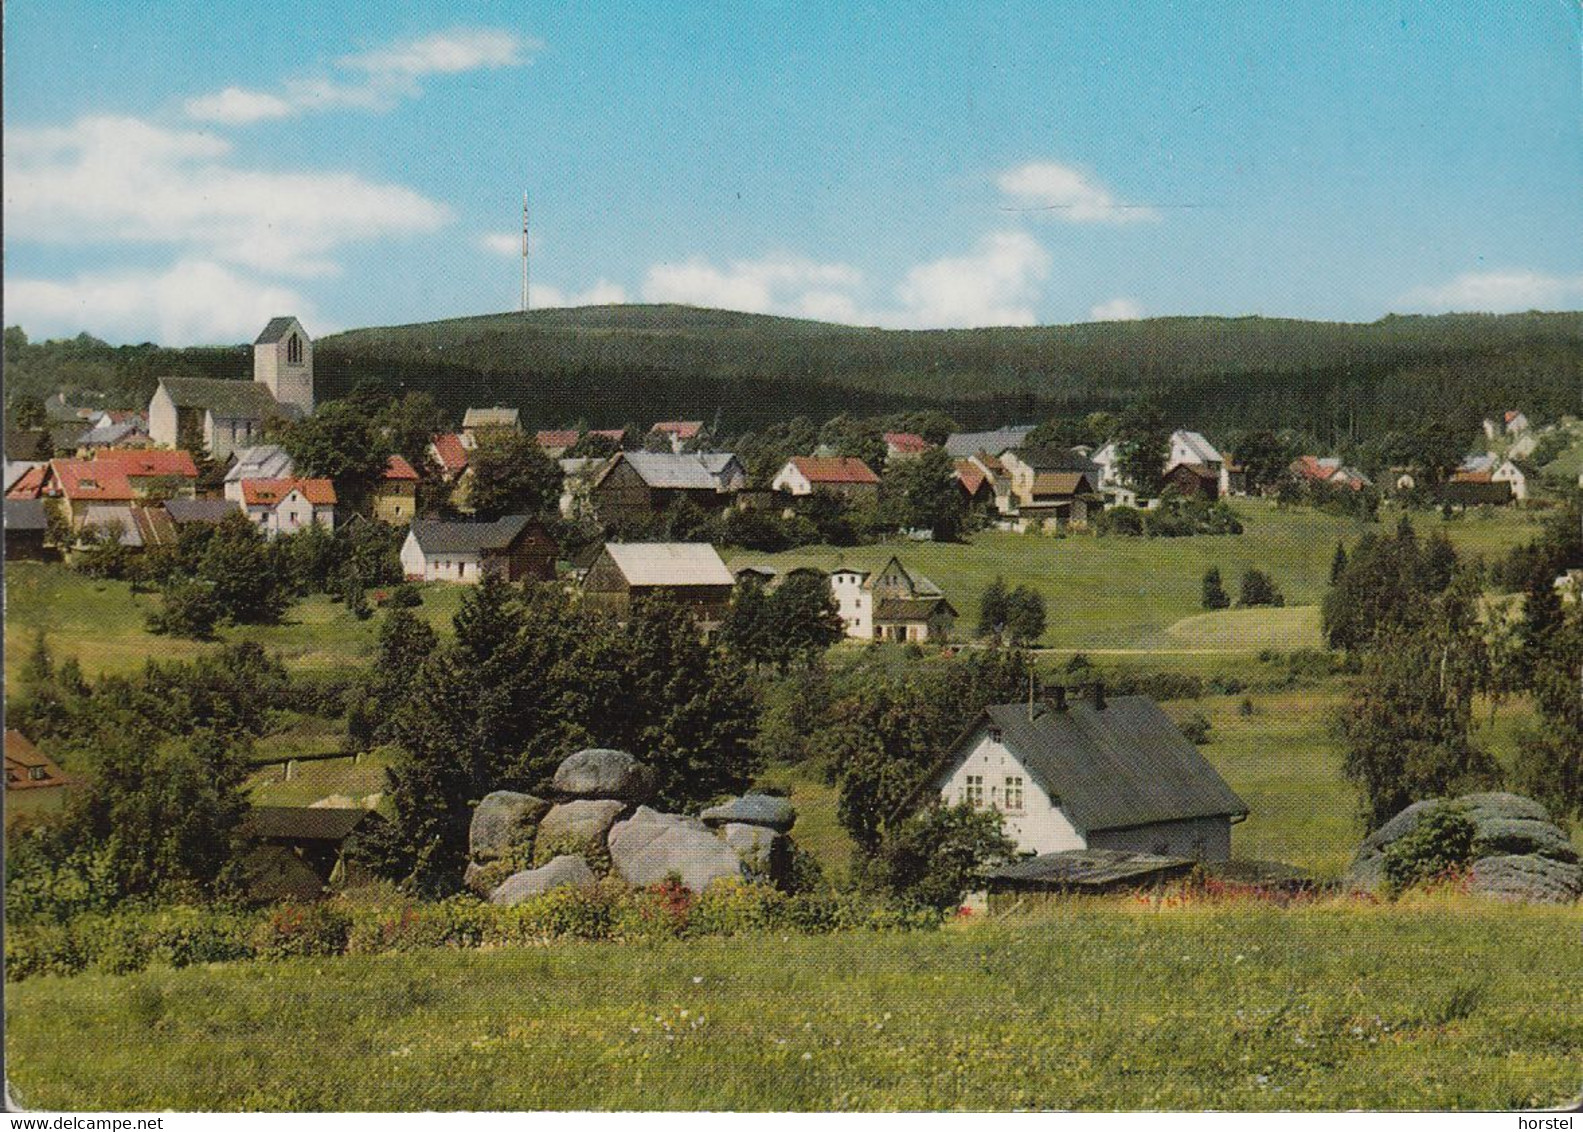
{"type": "Point", "coordinates": [1437, 1002]}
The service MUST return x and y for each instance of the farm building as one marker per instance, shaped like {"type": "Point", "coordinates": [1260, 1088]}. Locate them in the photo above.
{"type": "Point", "coordinates": [284, 507]}
{"type": "Point", "coordinates": [208, 512]}
{"type": "Point", "coordinates": [25, 527]}
{"type": "Point", "coordinates": [962, 445]}
{"type": "Point", "coordinates": [690, 572]}
{"type": "Point", "coordinates": [1049, 485]}
{"type": "Point", "coordinates": [478, 423]}
{"type": "Point", "coordinates": [635, 486]}
{"type": "Point", "coordinates": [841, 475]}
{"type": "Point", "coordinates": [1090, 774]}
{"type": "Point", "coordinates": [396, 493]}
{"type": "Point", "coordinates": [891, 604]}
{"type": "Point", "coordinates": [1194, 481]}
{"type": "Point", "coordinates": [1191, 448]}
{"type": "Point", "coordinates": [299, 852]}
{"type": "Point", "coordinates": [516, 546]}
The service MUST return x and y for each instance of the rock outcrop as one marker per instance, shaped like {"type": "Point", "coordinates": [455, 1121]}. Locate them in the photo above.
{"type": "Point", "coordinates": [599, 772]}
{"type": "Point", "coordinates": [766, 810]}
{"type": "Point", "coordinates": [532, 882]}
{"type": "Point", "coordinates": [503, 821]}
{"type": "Point", "coordinates": [649, 846]}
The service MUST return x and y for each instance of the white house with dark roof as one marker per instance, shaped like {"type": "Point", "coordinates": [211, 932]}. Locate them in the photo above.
{"type": "Point", "coordinates": [890, 604]}
{"type": "Point", "coordinates": [515, 546]}
{"type": "Point", "coordinates": [1095, 773]}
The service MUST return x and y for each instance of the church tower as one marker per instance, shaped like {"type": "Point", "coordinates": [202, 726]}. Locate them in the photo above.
{"type": "Point", "coordinates": [283, 360]}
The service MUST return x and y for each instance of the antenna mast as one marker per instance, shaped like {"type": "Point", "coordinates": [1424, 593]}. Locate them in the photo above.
{"type": "Point", "coordinates": [524, 250]}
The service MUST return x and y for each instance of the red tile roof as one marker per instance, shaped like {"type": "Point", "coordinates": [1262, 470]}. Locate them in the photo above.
{"type": "Point", "coordinates": [269, 493]}
{"type": "Point", "coordinates": [834, 469]}
{"type": "Point", "coordinates": [1309, 467]}
{"type": "Point", "coordinates": [970, 476]}
{"type": "Point", "coordinates": [85, 480]}
{"type": "Point", "coordinates": [909, 442]}
{"type": "Point", "coordinates": [397, 468]}
{"type": "Point", "coordinates": [150, 461]}
{"type": "Point", "coordinates": [451, 452]}
{"type": "Point", "coordinates": [616, 434]}
{"type": "Point", "coordinates": [562, 438]}
{"type": "Point", "coordinates": [30, 485]}
{"type": "Point", "coordinates": [682, 430]}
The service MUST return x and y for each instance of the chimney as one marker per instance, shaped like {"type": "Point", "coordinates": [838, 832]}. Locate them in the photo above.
{"type": "Point", "coordinates": [1097, 694]}
{"type": "Point", "coordinates": [1055, 696]}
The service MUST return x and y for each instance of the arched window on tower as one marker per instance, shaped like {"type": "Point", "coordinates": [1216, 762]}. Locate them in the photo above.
{"type": "Point", "coordinates": [294, 350]}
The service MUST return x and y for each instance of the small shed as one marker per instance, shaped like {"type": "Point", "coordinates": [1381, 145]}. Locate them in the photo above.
{"type": "Point", "coordinates": [25, 527]}
{"type": "Point", "coordinates": [300, 851]}
{"type": "Point", "coordinates": [1081, 871]}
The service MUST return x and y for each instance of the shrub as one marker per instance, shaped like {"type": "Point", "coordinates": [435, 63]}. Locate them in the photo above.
{"type": "Point", "coordinates": [1214, 595]}
{"type": "Point", "coordinates": [187, 609]}
{"type": "Point", "coordinates": [732, 907]}
{"type": "Point", "coordinates": [1196, 728]}
{"type": "Point", "coordinates": [292, 930]}
{"type": "Point", "coordinates": [1440, 844]}
{"type": "Point", "coordinates": [934, 859]}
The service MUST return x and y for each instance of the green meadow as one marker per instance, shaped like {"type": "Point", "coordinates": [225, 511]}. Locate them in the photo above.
{"type": "Point", "coordinates": [1434, 1003]}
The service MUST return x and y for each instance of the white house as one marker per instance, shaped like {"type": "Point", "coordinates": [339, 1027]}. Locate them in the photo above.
{"type": "Point", "coordinates": [844, 475]}
{"type": "Point", "coordinates": [259, 462]}
{"type": "Point", "coordinates": [1090, 774]}
{"type": "Point", "coordinates": [286, 506]}
{"type": "Point", "coordinates": [1191, 448]}
{"type": "Point", "coordinates": [1507, 472]}
{"type": "Point", "coordinates": [513, 546]}
{"type": "Point", "coordinates": [890, 604]}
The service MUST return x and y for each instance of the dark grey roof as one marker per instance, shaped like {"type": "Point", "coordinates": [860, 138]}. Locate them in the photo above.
{"type": "Point", "coordinates": [1096, 869]}
{"type": "Point", "coordinates": [275, 331]}
{"type": "Point", "coordinates": [1118, 767]}
{"type": "Point", "coordinates": [436, 536]}
{"type": "Point", "coordinates": [304, 823]}
{"type": "Point", "coordinates": [25, 515]}
{"type": "Point", "coordinates": [184, 511]}
{"type": "Point", "coordinates": [233, 399]}
{"type": "Point", "coordinates": [1054, 459]}
{"type": "Point", "coordinates": [965, 444]}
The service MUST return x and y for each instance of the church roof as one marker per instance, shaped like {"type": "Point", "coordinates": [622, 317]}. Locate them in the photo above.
{"type": "Point", "coordinates": [275, 331]}
{"type": "Point", "coordinates": [245, 400]}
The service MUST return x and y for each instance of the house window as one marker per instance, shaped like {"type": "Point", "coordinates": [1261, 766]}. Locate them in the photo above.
{"type": "Point", "coordinates": [996, 735]}
{"type": "Point", "coordinates": [1014, 794]}
{"type": "Point", "coordinates": [37, 773]}
{"type": "Point", "coordinates": [974, 795]}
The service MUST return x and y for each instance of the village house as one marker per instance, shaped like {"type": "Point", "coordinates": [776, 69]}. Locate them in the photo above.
{"type": "Point", "coordinates": [26, 525]}
{"type": "Point", "coordinates": [1486, 478]}
{"type": "Point", "coordinates": [962, 445]}
{"type": "Point", "coordinates": [1049, 486]}
{"type": "Point", "coordinates": [1193, 481]}
{"type": "Point", "coordinates": [891, 604]}
{"type": "Point", "coordinates": [258, 462]}
{"type": "Point", "coordinates": [557, 442]}
{"type": "Point", "coordinates": [974, 483]}
{"type": "Point", "coordinates": [1328, 470]}
{"type": "Point", "coordinates": [34, 782]}
{"type": "Point", "coordinates": [515, 547]}
{"type": "Point", "coordinates": [396, 493]}
{"type": "Point", "coordinates": [841, 475]}
{"type": "Point", "coordinates": [1089, 774]}
{"type": "Point", "coordinates": [1191, 448]}
{"type": "Point", "coordinates": [226, 415]}
{"type": "Point", "coordinates": [115, 430]}
{"type": "Point", "coordinates": [636, 486]}
{"type": "Point", "coordinates": [905, 445]}
{"type": "Point", "coordinates": [80, 484]}
{"type": "Point", "coordinates": [284, 507]}
{"type": "Point", "coordinates": [678, 434]}
{"type": "Point", "coordinates": [479, 423]}
{"type": "Point", "coordinates": [689, 572]}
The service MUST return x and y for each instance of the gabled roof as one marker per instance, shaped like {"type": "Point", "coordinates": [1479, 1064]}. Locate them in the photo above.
{"type": "Point", "coordinates": [80, 480]}
{"type": "Point", "coordinates": [450, 451]}
{"type": "Point", "coordinates": [22, 758]}
{"type": "Point", "coordinates": [185, 511]}
{"type": "Point", "coordinates": [397, 468]}
{"type": "Point", "coordinates": [28, 482]}
{"type": "Point", "coordinates": [1118, 767]}
{"type": "Point", "coordinates": [1203, 451]}
{"type": "Point", "coordinates": [994, 441]}
{"type": "Point", "coordinates": [260, 462]}
{"type": "Point", "coordinates": [1056, 459]}
{"type": "Point", "coordinates": [970, 476]}
{"type": "Point", "coordinates": [834, 469]}
{"type": "Point", "coordinates": [304, 823]}
{"type": "Point", "coordinates": [1201, 471]}
{"type": "Point", "coordinates": [910, 608]}
{"type": "Point", "coordinates": [25, 515]}
{"type": "Point", "coordinates": [437, 536]}
{"type": "Point", "coordinates": [113, 433]}
{"type": "Point", "coordinates": [496, 417]}
{"type": "Point", "coordinates": [148, 462]}
{"type": "Point", "coordinates": [690, 471]}
{"type": "Point", "coordinates": [274, 330]}
{"type": "Point", "coordinates": [906, 442]}
{"type": "Point", "coordinates": [681, 430]}
{"type": "Point", "coordinates": [562, 438]}
{"type": "Point", "coordinates": [271, 493]}
{"type": "Point", "coordinates": [238, 400]}
{"type": "Point", "coordinates": [669, 563]}
{"type": "Point", "coordinates": [1061, 484]}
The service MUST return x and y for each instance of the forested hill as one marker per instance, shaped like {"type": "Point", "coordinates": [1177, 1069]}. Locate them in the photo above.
{"type": "Point", "coordinates": [616, 364]}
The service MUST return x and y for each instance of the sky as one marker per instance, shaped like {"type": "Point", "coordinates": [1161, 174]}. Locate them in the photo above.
{"type": "Point", "coordinates": [180, 172]}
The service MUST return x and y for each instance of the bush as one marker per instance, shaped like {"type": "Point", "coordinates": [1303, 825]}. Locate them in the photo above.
{"type": "Point", "coordinates": [1215, 595]}
{"type": "Point", "coordinates": [1440, 844]}
{"type": "Point", "coordinates": [292, 930]}
{"type": "Point", "coordinates": [1196, 728]}
{"type": "Point", "coordinates": [1258, 588]}
{"type": "Point", "coordinates": [187, 609]}
{"type": "Point", "coordinates": [933, 860]}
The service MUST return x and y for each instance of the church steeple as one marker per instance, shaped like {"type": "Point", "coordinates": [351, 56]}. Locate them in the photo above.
{"type": "Point", "coordinates": [283, 360]}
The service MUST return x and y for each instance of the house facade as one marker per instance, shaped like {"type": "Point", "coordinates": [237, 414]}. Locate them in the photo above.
{"type": "Point", "coordinates": [258, 462]}
{"type": "Point", "coordinates": [635, 486]}
{"type": "Point", "coordinates": [396, 493]}
{"type": "Point", "coordinates": [842, 475]}
{"type": "Point", "coordinates": [284, 507]}
{"type": "Point", "coordinates": [515, 546]}
{"type": "Point", "coordinates": [1090, 774]}
{"type": "Point", "coordinates": [891, 604]}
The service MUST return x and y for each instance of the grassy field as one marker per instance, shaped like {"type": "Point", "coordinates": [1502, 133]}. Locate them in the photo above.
{"type": "Point", "coordinates": [1438, 1003]}
{"type": "Point", "coordinates": [1131, 595]}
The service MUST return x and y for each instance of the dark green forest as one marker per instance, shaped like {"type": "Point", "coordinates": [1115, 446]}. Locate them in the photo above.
{"type": "Point", "coordinates": [1339, 383]}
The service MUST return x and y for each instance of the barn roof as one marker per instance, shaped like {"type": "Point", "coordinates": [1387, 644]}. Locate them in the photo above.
{"type": "Point", "coordinates": [184, 511]}
{"type": "Point", "coordinates": [437, 536]}
{"type": "Point", "coordinates": [690, 471]}
{"type": "Point", "coordinates": [669, 563]}
{"type": "Point", "coordinates": [834, 469]}
{"type": "Point", "coordinates": [994, 441]}
{"type": "Point", "coordinates": [1116, 767]}
{"type": "Point", "coordinates": [496, 417]}
{"type": "Point", "coordinates": [303, 823]}
{"type": "Point", "coordinates": [914, 609]}
{"type": "Point", "coordinates": [1061, 483]}
{"type": "Point", "coordinates": [242, 400]}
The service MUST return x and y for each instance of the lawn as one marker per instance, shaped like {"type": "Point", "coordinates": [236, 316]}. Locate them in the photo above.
{"type": "Point", "coordinates": [1435, 1003]}
{"type": "Point", "coordinates": [1130, 595]}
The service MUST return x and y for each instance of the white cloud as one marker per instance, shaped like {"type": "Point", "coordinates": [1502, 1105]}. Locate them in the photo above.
{"type": "Point", "coordinates": [775, 283]}
{"type": "Point", "coordinates": [992, 286]}
{"type": "Point", "coordinates": [1497, 292]}
{"type": "Point", "coordinates": [383, 76]}
{"type": "Point", "coordinates": [600, 294]}
{"type": "Point", "coordinates": [234, 106]}
{"type": "Point", "coordinates": [1067, 193]}
{"type": "Point", "coordinates": [1119, 309]}
{"type": "Point", "coordinates": [501, 243]}
{"type": "Point", "coordinates": [109, 180]}
{"type": "Point", "coordinates": [194, 301]}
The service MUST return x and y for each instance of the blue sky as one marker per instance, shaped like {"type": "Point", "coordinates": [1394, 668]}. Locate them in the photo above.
{"type": "Point", "coordinates": [182, 177]}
